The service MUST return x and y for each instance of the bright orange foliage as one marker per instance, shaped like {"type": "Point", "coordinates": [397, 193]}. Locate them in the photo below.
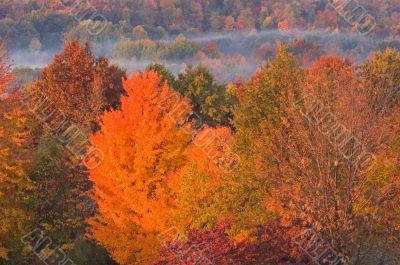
{"type": "Point", "coordinates": [209, 150]}
{"type": "Point", "coordinates": [143, 147]}
{"type": "Point", "coordinates": [15, 185]}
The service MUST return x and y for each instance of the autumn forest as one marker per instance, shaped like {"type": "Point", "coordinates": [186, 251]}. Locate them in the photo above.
{"type": "Point", "coordinates": [210, 132]}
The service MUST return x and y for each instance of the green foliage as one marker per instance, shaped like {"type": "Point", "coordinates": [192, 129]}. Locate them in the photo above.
{"type": "Point", "coordinates": [146, 49]}
{"type": "Point", "coordinates": [58, 199]}
{"type": "Point", "coordinates": [140, 49]}
{"type": "Point", "coordinates": [15, 185]}
{"type": "Point", "coordinates": [89, 253]}
{"type": "Point", "coordinates": [382, 73]}
{"type": "Point", "coordinates": [262, 96]}
{"type": "Point", "coordinates": [259, 110]}
{"type": "Point", "coordinates": [198, 205]}
{"type": "Point", "coordinates": [165, 73]}
{"type": "Point", "coordinates": [213, 102]}
{"type": "Point", "coordinates": [260, 107]}
{"type": "Point", "coordinates": [23, 75]}
{"type": "Point", "coordinates": [202, 203]}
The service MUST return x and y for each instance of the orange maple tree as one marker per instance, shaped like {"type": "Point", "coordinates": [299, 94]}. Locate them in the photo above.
{"type": "Point", "coordinates": [143, 145]}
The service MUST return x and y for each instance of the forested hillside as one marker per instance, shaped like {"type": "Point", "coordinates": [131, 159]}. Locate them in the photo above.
{"type": "Point", "coordinates": [231, 38]}
{"type": "Point", "coordinates": [45, 22]}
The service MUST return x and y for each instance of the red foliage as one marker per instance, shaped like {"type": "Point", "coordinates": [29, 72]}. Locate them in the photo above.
{"type": "Point", "coordinates": [272, 242]}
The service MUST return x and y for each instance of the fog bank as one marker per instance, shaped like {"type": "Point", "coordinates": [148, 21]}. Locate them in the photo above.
{"type": "Point", "coordinates": [243, 43]}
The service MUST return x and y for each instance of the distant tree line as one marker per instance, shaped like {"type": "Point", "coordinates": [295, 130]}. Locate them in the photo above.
{"type": "Point", "coordinates": [45, 24]}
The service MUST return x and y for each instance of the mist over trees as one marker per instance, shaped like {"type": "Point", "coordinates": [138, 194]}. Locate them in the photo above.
{"type": "Point", "coordinates": [211, 32]}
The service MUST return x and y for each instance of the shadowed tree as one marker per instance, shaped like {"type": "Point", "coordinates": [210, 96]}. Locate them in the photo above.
{"type": "Point", "coordinates": [80, 85]}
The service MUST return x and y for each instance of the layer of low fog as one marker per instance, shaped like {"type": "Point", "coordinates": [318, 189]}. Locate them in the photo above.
{"type": "Point", "coordinates": [243, 43]}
